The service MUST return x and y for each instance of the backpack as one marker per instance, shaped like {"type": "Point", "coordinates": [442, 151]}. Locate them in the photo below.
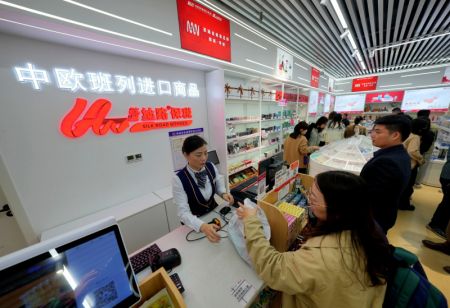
{"type": "Point", "coordinates": [409, 286]}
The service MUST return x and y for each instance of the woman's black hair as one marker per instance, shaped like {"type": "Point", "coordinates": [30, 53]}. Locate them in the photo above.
{"type": "Point", "coordinates": [302, 125]}
{"type": "Point", "coordinates": [336, 121]}
{"type": "Point", "coordinates": [344, 193]}
{"type": "Point", "coordinates": [419, 126]}
{"type": "Point", "coordinates": [331, 115]}
{"type": "Point", "coordinates": [192, 143]}
{"type": "Point", "coordinates": [319, 122]}
{"type": "Point", "coordinates": [358, 120]}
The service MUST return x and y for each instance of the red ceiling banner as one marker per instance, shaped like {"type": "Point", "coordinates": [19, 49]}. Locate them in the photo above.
{"type": "Point", "coordinates": [364, 84]}
{"type": "Point", "coordinates": [203, 31]}
{"type": "Point", "coordinates": [385, 97]}
{"type": "Point", "coordinates": [315, 75]}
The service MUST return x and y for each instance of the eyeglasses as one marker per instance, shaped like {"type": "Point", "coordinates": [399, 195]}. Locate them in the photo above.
{"type": "Point", "coordinates": [311, 199]}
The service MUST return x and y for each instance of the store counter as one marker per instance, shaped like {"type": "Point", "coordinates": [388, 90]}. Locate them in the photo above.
{"type": "Point", "coordinates": [213, 274]}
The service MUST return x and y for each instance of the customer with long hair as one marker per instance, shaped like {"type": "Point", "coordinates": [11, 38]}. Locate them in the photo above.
{"type": "Point", "coordinates": [345, 258]}
{"type": "Point", "coordinates": [315, 133]}
{"type": "Point", "coordinates": [335, 129]}
{"type": "Point", "coordinates": [296, 147]}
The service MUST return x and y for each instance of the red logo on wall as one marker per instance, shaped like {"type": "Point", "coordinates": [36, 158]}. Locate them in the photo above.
{"type": "Point", "coordinates": [95, 118]}
{"type": "Point", "coordinates": [203, 31]}
{"type": "Point", "coordinates": [385, 97]}
{"type": "Point", "coordinates": [364, 84]}
{"type": "Point", "coordinates": [315, 75]}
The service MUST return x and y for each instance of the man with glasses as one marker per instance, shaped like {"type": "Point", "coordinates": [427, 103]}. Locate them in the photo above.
{"type": "Point", "coordinates": [388, 172]}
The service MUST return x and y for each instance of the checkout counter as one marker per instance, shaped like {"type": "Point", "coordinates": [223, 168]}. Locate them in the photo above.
{"type": "Point", "coordinates": [213, 274]}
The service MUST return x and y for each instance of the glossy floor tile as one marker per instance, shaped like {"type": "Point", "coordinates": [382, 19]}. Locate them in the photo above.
{"type": "Point", "coordinates": [410, 230]}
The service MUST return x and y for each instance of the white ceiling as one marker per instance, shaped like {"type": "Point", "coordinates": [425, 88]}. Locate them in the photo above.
{"type": "Point", "coordinates": [313, 30]}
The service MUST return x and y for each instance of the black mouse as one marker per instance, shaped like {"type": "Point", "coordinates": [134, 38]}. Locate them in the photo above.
{"type": "Point", "coordinates": [225, 210]}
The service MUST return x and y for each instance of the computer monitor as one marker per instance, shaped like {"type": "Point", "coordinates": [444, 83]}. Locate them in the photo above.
{"type": "Point", "coordinates": [213, 158]}
{"type": "Point", "coordinates": [83, 268]}
{"type": "Point", "coordinates": [270, 166]}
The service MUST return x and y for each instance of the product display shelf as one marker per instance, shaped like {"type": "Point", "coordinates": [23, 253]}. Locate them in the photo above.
{"type": "Point", "coordinates": [230, 156]}
{"type": "Point", "coordinates": [232, 171]}
{"type": "Point", "coordinates": [242, 121]}
{"type": "Point", "coordinates": [376, 112]}
{"type": "Point", "coordinates": [281, 235]}
{"type": "Point", "coordinates": [255, 135]}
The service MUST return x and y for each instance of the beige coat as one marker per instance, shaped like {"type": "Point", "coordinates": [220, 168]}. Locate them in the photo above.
{"type": "Point", "coordinates": [412, 146]}
{"type": "Point", "coordinates": [296, 149]}
{"type": "Point", "coordinates": [313, 276]}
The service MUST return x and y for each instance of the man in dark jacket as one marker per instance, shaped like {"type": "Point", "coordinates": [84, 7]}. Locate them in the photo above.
{"type": "Point", "coordinates": [388, 172]}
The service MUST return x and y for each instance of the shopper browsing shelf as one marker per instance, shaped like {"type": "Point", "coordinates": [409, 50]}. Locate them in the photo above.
{"type": "Point", "coordinates": [296, 147]}
{"type": "Point", "coordinates": [316, 132]}
{"type": "Point", "coordinates": [344, 259]}
{"type": "Point", "coordinates": [335, 129]}
{"type": "Point", "coordinates": [412, 146]}
{"type": "Point", "coordinates": [195, 185]}
{"type": "Point", "coordinates": [387, 173]}
{"type": "Point", "coordinates": [355, 129]}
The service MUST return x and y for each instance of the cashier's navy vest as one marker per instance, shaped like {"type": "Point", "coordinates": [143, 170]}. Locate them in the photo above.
{"type": "Point", "coordinates": [197, 203]}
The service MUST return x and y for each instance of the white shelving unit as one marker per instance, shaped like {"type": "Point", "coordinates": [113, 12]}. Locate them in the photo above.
{"type": "Point", "coordinates": [258, 118]}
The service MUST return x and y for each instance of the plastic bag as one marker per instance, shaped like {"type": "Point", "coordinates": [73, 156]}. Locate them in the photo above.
{"type": "Point", "coordinates": [236, 231]}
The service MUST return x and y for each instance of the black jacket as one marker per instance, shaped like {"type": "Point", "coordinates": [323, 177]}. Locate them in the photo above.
{"type": "Point", "coordinates": [387, 175]}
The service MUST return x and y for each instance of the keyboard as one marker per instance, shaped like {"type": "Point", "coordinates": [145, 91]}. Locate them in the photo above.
{"type": "Point", "coordinates": [143, 259]}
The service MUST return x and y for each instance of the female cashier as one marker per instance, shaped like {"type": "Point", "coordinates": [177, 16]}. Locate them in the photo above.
{"type": "Point", "coordinates": [194, 187]}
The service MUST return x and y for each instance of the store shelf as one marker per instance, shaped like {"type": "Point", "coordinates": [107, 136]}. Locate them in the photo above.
{"type": "Point", "coordinates": [240, 100]}
{"type": "Point", "coordinates": [242, 122]}
{"type": "Point", "coordinates": [268, 146]}
{"type": "Point", "coordinates": [240, 169]}
{"type": "Point", "coordinates": [446, 129]}
{"type": "Point", "coordinates": [230, 156]}
{"type": "Point", "coordinates": [377, 112]}
{"type": "Point", "coordinates": [268, 120]}
{"type": "Point", "coordinates": [243, 137]}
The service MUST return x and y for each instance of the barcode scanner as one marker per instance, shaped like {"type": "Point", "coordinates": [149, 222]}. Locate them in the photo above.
{"type": "Point", "coordinates": [215, 221]}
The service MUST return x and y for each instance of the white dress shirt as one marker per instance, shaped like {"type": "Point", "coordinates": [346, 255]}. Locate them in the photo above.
{"type": "Point", "coordinates": [180, 197]}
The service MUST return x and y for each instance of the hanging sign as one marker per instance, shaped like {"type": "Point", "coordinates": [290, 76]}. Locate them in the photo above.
{"type": "Point", "coordinates": [203, 31]}
{"type": "Point", "coordinates": [364, 84]}
{"type": "Point", "coordinates": [315, 75]}
{"type": "Point", "coordinates": [81, 118]}
{"type": "Point", "coordinates": [285, 61]}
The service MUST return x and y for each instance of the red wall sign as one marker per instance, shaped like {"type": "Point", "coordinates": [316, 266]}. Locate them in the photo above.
{"type": "Point", "coordinates": [78, 120]}
{"type": "Point", "coordinates": [289, 97]}
{"type": "Point", "coordinates": [203, 31]}
{"type": "Point", "coordinates": [315, 75]}
{"type": "Point", "coordinates": [364, 84]}
{"type": "Point", "coordinates": [385, 97]}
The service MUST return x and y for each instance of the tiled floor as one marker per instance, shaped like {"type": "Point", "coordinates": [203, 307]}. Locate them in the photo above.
{"type": "Point", "coordinates": [409, 231]}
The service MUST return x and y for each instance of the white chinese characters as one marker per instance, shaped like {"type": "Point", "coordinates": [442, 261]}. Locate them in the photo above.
{"type": "Point", "coordinates": [100, 82]}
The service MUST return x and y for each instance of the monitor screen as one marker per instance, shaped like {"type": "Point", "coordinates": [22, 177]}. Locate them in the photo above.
{"type": "Point", "coordinates": [350, 103]}
{"type": "Point", "coordinates": [270, 166]}
{"type": "Point", "coordinates": [436, 99]}
{"type": "Point", "coordinates": [91, 271]}
{"type": "Point", "coordinates": [213, 158]}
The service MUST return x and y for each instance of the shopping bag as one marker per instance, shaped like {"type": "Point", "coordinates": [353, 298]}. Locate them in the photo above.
{"type": "Point", "coordinates": [236, 231]}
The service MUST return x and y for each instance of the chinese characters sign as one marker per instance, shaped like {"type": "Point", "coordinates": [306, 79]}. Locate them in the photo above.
{"type": "Point", "coordinates": [315, 75]}
{"type": "Point", "coordinates": [81, 118]}
{"type": "Point", "coordinates": [203, 31]}
{"type": "Point", "coordinates": [101, 82]}
{"type": "Point", "coordinates": [364, 84]}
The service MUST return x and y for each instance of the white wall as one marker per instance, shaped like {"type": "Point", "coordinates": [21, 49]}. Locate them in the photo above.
{"type": "Point", "coordinates": [54, 179]}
